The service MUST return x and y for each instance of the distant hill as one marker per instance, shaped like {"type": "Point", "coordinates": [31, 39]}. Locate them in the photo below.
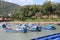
{"type": "Point", "coordinates": [6, 7]}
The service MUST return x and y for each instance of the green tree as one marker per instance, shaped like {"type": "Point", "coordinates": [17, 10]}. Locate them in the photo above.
{"type": "Point", "coordinates": [48, 8]}
{"type": "Point", "coordinates": [58, 9]}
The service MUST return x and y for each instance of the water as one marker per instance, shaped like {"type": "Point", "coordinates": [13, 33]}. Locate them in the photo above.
{"type": "Point", "coordinates": [26, 36]}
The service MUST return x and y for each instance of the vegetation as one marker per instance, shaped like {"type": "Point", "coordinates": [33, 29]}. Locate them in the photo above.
{"type": "Point", "coordinates": [6, 8]}
{"type": "Point", "coordinates": [49, 11]}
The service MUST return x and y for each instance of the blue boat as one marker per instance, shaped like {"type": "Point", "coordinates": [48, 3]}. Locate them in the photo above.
{"type": "Point", "coordinates": [23, 30]}
{"type": "Point", "coordinates": [15, 31]}
{"type": "Point", "coordinates": [50, 27]}
{"type": "Point", "coordinates": [49, 37]}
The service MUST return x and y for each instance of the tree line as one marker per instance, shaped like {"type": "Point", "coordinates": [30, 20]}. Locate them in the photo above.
{"type": "Point", "coordinates": [35, 11]}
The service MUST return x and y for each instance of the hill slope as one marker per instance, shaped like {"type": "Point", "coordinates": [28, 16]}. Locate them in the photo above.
{"type": "Point", "coordinates": [6, 7]}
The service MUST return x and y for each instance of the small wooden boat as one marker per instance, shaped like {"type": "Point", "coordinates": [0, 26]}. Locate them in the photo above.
{"type": "Point", "coordinates": [50, 27]}
{"type": "Point", "coordinates": [16, 30]}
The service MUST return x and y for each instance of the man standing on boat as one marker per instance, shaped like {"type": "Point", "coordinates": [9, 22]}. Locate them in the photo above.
{"type": "Point", "coordinates": [25, 29]}
{"type": "Point", "coordinates": [4, 26]}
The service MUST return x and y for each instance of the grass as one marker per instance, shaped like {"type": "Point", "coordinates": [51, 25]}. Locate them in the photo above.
{"type": "Point", "coordinates": [38, 20]}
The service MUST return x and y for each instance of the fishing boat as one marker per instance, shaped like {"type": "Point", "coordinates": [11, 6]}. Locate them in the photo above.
{"type": "Point", "coordinates": [50, 27]}
{"type": "Point", "coordinates": [16, 30]}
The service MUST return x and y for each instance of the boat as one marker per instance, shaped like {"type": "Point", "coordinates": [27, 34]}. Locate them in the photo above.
{"type": "Point", "coordinates": [55, 36]}
{"type": "Point", "coordinates": [16, 31]}
{"type": "Point", "coordinates": [50, 27]}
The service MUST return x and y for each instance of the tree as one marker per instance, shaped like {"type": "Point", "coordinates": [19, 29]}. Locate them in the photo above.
{"type": "Point", "coordinates": [48, 8]}
{"type": "Point", "coordinates": [58, 9]}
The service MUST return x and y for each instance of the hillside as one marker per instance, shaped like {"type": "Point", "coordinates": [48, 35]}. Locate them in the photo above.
{"type": "Point", "coordinates": [6, 7]}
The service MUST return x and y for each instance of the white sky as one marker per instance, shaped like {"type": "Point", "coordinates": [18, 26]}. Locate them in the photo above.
{"type": "Point", "coordinates": [29, 2]}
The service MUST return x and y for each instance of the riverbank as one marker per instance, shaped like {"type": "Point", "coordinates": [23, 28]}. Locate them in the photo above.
{"type": "Point", "coordinates": [33, 22]}
{"type": "Point", "coordinates": [39, 20]}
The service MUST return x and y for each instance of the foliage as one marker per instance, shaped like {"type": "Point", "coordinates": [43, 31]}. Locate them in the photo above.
{"type": "Point", "coordinates": [48, 8]}
{"type": "Point", "coordinates": [31, 12]}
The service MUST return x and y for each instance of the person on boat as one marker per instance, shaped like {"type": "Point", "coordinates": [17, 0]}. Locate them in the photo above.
{"type": "Point", "coordinates": [4, 26]}
{"type": "Point", "coordinates": [25, 29]}
{"type": "Point", "coordinates": [38, 28]}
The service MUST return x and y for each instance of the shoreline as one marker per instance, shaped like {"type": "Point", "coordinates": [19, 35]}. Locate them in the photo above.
{"type": "Point", "coordinates": [33, 22]}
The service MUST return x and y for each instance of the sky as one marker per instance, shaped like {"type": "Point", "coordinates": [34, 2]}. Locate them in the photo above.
{"type": "Point", "coordinates": [29, 2]}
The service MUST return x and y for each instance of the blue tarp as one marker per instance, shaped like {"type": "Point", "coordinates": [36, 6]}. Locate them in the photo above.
{"type": "Point", "coordinates": [49, 37]}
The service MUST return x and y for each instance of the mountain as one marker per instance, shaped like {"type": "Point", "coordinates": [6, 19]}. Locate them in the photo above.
{"type": "Point", "coordinates": [6, 8]}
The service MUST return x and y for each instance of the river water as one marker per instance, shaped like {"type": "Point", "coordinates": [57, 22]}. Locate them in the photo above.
{"type": "Point", "coordinates": [26, 36]}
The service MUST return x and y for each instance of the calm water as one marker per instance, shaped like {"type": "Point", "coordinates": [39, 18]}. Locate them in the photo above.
{"type": "Point", "coordinates": [25, 36]}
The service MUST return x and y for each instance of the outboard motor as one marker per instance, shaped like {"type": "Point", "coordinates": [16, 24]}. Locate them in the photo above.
{"type": "Point", "coordinates": [38, 28]}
